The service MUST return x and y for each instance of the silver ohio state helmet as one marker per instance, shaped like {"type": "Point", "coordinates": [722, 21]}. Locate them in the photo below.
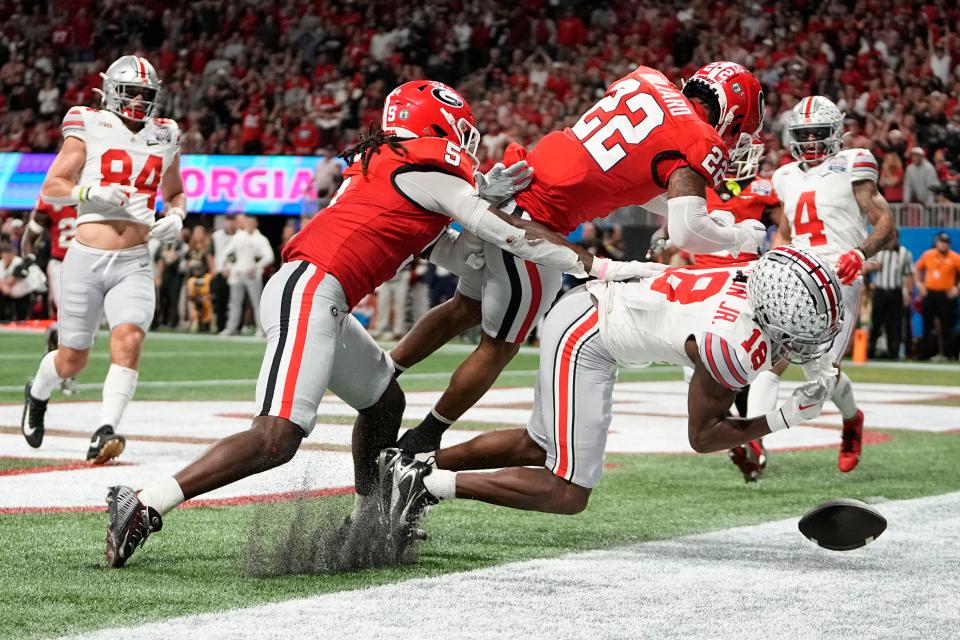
{"type": "Point", "coordinates": [131, 88]}
{"type": "Point", "coordinates": [815, 129]}
{"type": "Point", "coordinates": [796, 300]}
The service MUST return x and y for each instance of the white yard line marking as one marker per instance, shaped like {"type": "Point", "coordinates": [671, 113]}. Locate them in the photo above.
{"type": "Point", "coordinates": [762, 581]}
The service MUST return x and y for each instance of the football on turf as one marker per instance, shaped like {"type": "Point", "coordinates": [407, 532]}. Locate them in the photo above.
{"type": "Point", "coordinates": [842, 524]}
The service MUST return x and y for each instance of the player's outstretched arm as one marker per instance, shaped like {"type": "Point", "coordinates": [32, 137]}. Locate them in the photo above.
{"type": "Point", "coordinates": [692, 229]}
{"type": "Point", "coordinates": [710, 426]}
{"type": "Point", "coordinates": [453, 196]}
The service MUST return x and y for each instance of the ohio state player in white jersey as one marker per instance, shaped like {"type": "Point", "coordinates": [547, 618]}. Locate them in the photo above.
{"type": "Point", "coordinates": [828, 195]}
{"type": "Point", "coordinates": [728, 323]}
{"type": "Point", "coordinates": [111, 165]}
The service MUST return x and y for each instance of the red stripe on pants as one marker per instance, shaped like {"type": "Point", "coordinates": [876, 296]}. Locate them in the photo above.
{"type": "Point", "coordinates": [296, 356]}
{"type": "Point", "coordinates": [565, 414]}
{"type": "Point", "coordinates": [536, 293]}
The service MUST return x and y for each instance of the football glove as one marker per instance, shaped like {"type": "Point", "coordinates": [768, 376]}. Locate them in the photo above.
{"type": "Point", "coordinates": [753, 235]}
{"type": "Point", "coordinates": [805, 403]}
{"type": "Point", "coordinates": [500, 184]}
{"type": "Point", "coordinates": [168, 228]}
{"type": "Point", "coordinates": [849, 266]}
{"type": "Point", "coordinates": [111, 196]}
{"type": "Point", "coordinates": [615, 271]}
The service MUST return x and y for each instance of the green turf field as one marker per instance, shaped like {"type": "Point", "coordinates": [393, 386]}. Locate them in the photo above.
{"type": "Point", "coordinates": [53, 582]}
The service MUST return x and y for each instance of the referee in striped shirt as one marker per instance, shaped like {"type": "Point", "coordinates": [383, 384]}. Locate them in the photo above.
{"type": "Point", "coordinates": [892, 270]}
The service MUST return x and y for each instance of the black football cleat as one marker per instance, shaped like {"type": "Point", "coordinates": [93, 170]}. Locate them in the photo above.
{"type": "Point", "coordinates": [405, 499]}
{"type": "Point", "coordinates": [31, 423]}
{"type": "Point", "coordinates": [131, 522]}
{"type": "Point", "coordinates": [105, 445]}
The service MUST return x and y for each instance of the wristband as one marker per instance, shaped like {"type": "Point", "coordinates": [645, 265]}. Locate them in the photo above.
{"type": "Point", "coordinates": [78, 193]}
{"type": "Point", "coordinates": [177, 211]}
{"type": "Point", "coordinates": [35, 227]}
{"type": "Point", "coordinates": [777, 421]}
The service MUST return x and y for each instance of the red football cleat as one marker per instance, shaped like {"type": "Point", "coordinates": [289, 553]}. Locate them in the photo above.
{"type": "Point", "coordinates": [750, 458]}
{"type": "Point", "coordinates": [851, 444]}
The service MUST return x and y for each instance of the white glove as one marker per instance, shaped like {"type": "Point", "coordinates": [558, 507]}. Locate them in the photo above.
{"type": "Point", "coordinates": [168, 228]}
{"type": "Point", "coordinates": [614, 271]}
{"type": "Point", "coordinates": [804, 404]}
{"type": "Point", "coordinates": [753, 234]}
{"type": "Point", "coordinates": [107, 198]}
{"type": "Point", "coordinates": [454, 250]}
{"type": "Point", "coordinates": [499, 184]}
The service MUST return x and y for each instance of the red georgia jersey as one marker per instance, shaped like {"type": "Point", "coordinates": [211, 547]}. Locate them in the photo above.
{"type": "Point", "coordinates": [63, 226]}
{"type": "Point", "coordinates": [621, 152]}
{"type": "Point", "coordinates": [750, 204]}
{"type": "Point", "coordinates": [370, 230]}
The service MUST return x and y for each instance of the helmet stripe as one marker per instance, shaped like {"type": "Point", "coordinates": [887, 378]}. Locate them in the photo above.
{"type": "Point", "coordinates": [808, 108]}
{"type": "Point", "coordinates": [142, 68]}
{"type": "Point", "coordinates": [818, 272]}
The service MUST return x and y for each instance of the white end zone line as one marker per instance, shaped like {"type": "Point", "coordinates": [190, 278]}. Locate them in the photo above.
{"type": "Point", "coordinates": [763, 581]}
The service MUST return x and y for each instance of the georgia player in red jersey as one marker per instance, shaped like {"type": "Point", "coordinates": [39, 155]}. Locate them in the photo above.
{"type": "Point", "coordinates": [60, 221]}
{"type": "Point", "coordinates": [407, 182]}
{"type": "Point", "coordinates": [645, 142]}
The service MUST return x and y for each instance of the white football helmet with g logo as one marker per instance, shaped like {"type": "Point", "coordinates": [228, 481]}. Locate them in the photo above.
{"type": "Point", "coordinates": [797, 301]}
{"type": "Point", "coordinates": [130, 88]}
{"type": "Point", "coordinates": [815, 129]}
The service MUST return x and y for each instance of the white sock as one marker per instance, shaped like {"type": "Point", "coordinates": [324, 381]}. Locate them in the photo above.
{"type": "Point", "coordinates": [363, 505]}
{"type": "Point", "coordinates": [843, 397]}
{"type": "Point", "coordinates": [47, 378]}
{"type": "Point", "coordinates": [118, 388]}
{"type": "Point", "coordinates": [764, 392]}
{"type": "Point", "coordinates": [430, 457]}
{"type": "Point", "coordinates": [442, 484]}
{"type": "Point", "coordinates": [163, 496]}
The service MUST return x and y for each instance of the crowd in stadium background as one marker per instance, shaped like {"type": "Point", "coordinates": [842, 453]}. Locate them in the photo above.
{"type": "Point", "coordinates": [306, 77]}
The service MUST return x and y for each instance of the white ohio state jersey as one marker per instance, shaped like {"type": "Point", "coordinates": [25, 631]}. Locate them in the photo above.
{"type": "Point", "coordinates": [819, 202]}
{"type": "Point", "coordinates": [117, 155]}
{"type": "Point", "coordinates": [650, 320]}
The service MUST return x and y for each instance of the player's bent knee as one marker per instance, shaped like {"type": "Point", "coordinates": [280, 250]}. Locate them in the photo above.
{"type": "Point", "coordinates": [391, 402]}
{"type": "Point", "coordinates": [569, 499]}
{"type": "Point", "coordinates": [69, 362]}
{"type": "Point", "coordinates": [279, 439]}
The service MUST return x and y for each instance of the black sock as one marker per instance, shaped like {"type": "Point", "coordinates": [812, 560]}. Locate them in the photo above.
{"type": "Point", "coordinates": [425, 437]}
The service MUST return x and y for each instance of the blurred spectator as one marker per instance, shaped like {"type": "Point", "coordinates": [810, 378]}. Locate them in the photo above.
{"type": "Point", "coordinates": [390, 320]}
{"type": "Point", "coordinates": [891, 178]}
{"type": "Point", "coordinates": [937, 271]}
{"type": "Point", "coordinates": [892, 279]}
{"type": "Point", "coordinates": [247, 255]}
{"type": "Point", "coordinates": [219, 288]}
{"type": "Point", "coordinates": [199, 300]}
{"type": "Point", "coordinates": [920, 178]}
{"type": "Point", "coordinates": [19, 278]}
{"type": "Point", "coordinates": [170, 272]}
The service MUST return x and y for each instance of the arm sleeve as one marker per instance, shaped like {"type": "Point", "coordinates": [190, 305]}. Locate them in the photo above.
{"type": "Point", "coordinates": [73, 124]}
{"type": "Point", "coordinates": [863, 167]}
{"type": "Point", "coordinates": [693, 230]}
{"type": "Point", "coordinates": [723, 361]}
{"type": "Point", "coordinates": [455, 197]}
